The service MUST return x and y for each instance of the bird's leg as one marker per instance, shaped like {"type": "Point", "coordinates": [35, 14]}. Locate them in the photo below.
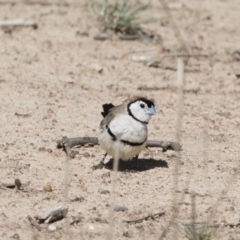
{"type": "Point", "coordinates": [104, 157]}
{"type": "Point", "coordinates": [101, 163]}
{"type": "Point", "coordinates": [137, 161]}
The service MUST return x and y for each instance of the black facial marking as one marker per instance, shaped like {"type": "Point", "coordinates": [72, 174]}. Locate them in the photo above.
{"type": "Point", "coordinates": [130, 113]}
{"type": "Point", "coordinates": [148, 102]}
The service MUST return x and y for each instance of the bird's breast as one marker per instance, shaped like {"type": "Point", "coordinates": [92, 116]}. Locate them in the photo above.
{"type": "Point", "coordinates": [124, 127]}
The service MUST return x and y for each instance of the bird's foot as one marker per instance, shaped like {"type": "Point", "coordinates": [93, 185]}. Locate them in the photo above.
{"type": "Point", "coordinates": [100, 165]}
{"type": "Point", "coordinates": [136, 162]}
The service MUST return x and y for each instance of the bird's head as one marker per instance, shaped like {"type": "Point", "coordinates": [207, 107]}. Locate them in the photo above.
{"type": "Point", "coordinates": [141, 109]}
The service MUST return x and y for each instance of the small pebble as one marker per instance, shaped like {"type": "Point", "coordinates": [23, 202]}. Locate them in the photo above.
{"type": "Point", "coordinates": [106, 175]}
{"type": "Point", "coordinates": [97, 219]}
{"type": "Point", "coordinates": [78, 199]}
{"type": "Point", "coordinates": [139, 227]}
{"type": "Point", "coordinates": [120, 209]}
{"type": "Point", "coordinates": [76, 219]}
{"type": "Point", "coordinates": [96, 67]}
{"type": "Point", "coordinates": [52, 227]}
{"type": "Point", "coordinates": [15, 236]}
{"type": "Point", "coordinates": [49, 150]}
{"type": "Point", "coordinates": [236, 55]}
{"type": "Point", "coordinates": [17, 183]}
{"type": "Point", "coordinates": [91, 227]}
{"type": "Point", "coordinates": [102, 37]}
{"type": "Point", "coordinates": [41, 149]}
{"type": "Point", "coordinates": [79, 33]}
{"type": "Point", "coordinates": [126, 234]}
{"type": "Point", "coordinates": [100, 220]}
{"type": "Point", "coordinates": [86, 154]}
{"type": "Point", "coordinates": [47, 188]}
{"type": "Point", "coordinates": [105, 192]}
{"type": "Point", "coordinates": [171, 153]}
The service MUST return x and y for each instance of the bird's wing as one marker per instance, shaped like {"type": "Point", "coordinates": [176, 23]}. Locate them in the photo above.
{"type": "Point", "coordinates": [106, 109]}
{"type": "Point", "coordinates": [112, 112]}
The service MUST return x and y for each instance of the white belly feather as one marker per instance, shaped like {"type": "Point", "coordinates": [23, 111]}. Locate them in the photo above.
{"type": "Point", "coordinates": [124, 128]}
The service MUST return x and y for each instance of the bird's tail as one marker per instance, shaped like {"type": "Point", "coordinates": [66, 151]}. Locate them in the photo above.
{"type": "Point", "coordinates": [106, 108]}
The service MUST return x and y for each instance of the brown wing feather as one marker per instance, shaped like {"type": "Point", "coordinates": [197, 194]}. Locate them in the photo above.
{"type": "Point", "coordinates": [113, 112]}
{"type": "Point", "coordinates": [106, 108]}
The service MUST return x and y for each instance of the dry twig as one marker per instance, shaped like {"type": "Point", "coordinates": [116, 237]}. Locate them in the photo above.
{"type": "Point", "coordinates": [148, 58]}
{"type": "Point", "coordinates": [153, 61]}
{"type": "Point", "coordinates": [18, 23]}
{"type": "Point", "coordinates": [67, 143]}
{"type": "Point", "coordinates": [42, 3]}
{"type": "Point", "coordinates": [211, 225]}
{"type": "Point", "coordinates": [34, 223]}
{"type": "Point", "coordinates": [165, 67]}
{"type": "Point", "coordinates": [152, 216]}
{"type": "Point", "coordinates": [167, 87]}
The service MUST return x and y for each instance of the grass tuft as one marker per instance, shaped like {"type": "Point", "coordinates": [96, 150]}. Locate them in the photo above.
{"type": "Point", "coordinates": [193, 233]}
{"type": "Point", "coordinates": [120, 16]}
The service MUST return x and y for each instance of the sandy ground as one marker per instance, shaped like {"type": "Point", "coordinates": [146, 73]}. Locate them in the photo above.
{"type": "Point", "coordinates": [48, 89]}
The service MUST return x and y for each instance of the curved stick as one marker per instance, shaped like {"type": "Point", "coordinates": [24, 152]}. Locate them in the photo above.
{"type": "Point", "coordinates": [67, 143]}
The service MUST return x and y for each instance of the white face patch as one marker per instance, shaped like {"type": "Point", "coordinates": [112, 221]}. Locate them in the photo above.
{"type": "Point", "coordinates": [141, 111]}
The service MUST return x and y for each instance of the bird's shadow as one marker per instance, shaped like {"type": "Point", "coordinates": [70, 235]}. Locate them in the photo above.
{"type": "Point", "coordinates": [139, 165]}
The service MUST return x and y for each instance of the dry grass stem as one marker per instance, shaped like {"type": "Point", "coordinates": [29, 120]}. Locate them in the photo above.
{"type": "Point", "coordinates": [177, 32]}
{"type": "Point", "coordinates": [180, 105]}
{"type": "Point", "coordinates": [113, 195]}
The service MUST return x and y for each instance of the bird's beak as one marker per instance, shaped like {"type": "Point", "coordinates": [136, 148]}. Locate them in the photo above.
{"type": "Point", "coordinates": [151, 111]}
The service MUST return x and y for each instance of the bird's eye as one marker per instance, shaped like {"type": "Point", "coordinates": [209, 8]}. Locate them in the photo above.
{"type": "Point", "coordinates": [142, 105]}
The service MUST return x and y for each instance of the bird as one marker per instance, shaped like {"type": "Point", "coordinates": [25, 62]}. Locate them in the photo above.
{"type": "Point", "coordinates": [123, 130]}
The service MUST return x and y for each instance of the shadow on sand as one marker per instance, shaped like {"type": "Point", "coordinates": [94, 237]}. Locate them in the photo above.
{"type": "Point", "coordinates": [142, 164]}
